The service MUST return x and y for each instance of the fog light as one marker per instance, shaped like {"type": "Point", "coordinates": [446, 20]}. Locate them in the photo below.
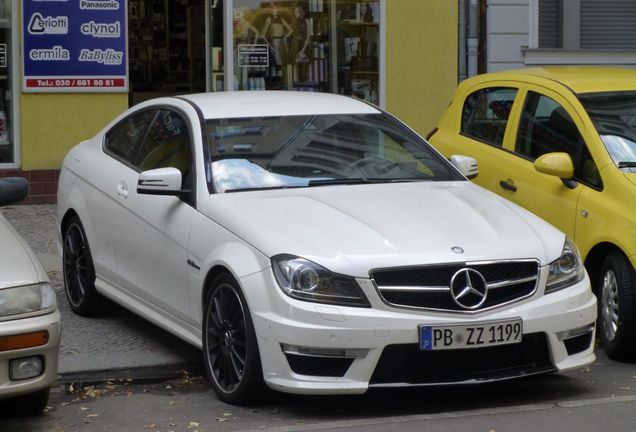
{"type": "Point", "coordinates": [25, 368]}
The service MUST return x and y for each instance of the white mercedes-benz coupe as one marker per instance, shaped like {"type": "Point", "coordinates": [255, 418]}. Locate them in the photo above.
{"type": "Point", "coordinates": [315, 244]}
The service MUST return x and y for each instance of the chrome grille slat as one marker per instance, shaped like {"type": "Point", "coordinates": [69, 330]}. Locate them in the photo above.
{"type": "Point", "coordinates": [428, 287]}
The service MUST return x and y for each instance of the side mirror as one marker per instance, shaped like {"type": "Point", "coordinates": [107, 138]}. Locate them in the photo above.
{"type": "Point", "coordinates": [555, 164]}
{"type": "Point", "coordinates": [466, 165]}
{"type": "Point", "coordinates": [160, 181]}
{"type": "Point", "coordinates": [13, 189]}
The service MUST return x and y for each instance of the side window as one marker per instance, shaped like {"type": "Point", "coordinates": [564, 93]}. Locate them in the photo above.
{"type": "Point", "coordinates": [485, 114]}
{"type": "Point", "coordinates": [167, 144]}
{"type": "Point", "coordinates": [123, 140]}
{"type": "Point", "coordinates": [546, 127]}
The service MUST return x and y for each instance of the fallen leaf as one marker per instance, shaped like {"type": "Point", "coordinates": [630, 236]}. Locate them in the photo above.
{"type": "Point", "coordinates": [227, 414]}
{"type": "Point", "coordinates": [85, 409]}
{"type": "Point", "coordinates": [220, 419]}
{"type": "Point", "coordinates": [92, 415]}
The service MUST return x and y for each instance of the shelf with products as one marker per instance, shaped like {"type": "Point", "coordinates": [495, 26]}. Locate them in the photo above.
{"type": "Point", "coordinates": [357, 26]}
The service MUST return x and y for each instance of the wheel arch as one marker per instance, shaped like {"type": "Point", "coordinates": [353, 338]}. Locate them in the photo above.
{"type": "Point", "coordinates": [210, 276]}
{"type": "Point", "coordinates": [594, 261]}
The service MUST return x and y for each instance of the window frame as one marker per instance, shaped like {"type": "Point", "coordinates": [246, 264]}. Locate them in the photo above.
{"type": "Point", "coordinates": [518, 121]}
{"type": "Point", "coordinates": [509, 119]}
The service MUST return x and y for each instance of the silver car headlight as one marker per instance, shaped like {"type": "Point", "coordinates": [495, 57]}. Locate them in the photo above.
{"type": "Point", "coordinates": [26, 299]}
{"type": "Point", "coordinates": [567, 270]}
{"type": "Point", "coordinates": [305, 280]}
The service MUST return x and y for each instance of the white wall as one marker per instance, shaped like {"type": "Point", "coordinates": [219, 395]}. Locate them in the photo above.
{"type": "Point", "coordinates": [508, 32]}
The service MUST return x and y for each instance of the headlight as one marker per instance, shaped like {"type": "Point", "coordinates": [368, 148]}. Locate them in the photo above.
{"type": "Point", "coordinates": [566, 270]}
{"type": "Point", "coordinates": [26, 299]}
{"type": "Point", "coordinates": [304, 280]}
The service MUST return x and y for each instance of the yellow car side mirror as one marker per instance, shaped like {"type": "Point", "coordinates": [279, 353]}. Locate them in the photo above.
{"type": "Point", "coordinates": [555, 164]}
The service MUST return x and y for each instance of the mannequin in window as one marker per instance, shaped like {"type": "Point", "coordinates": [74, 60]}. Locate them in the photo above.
{"type": "Point", "coordinates": [301, 34]}
{"type": "Point", "coordinates": [275, 32]}
{"type": "Point", "coordinates": [243, 28]}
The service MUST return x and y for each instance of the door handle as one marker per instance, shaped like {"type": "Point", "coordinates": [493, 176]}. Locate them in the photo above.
{"type": "Point", "coordinates": [122, 190]}
{"type": "Point", "coordinates": [508, 185]}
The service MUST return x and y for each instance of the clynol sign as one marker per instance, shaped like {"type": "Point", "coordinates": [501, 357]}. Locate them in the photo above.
{"type": "Point", "coordinates": [75, 46]}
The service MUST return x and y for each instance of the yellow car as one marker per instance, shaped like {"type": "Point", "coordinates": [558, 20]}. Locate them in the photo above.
{"type": "Point", "coordinates": [561, 142]}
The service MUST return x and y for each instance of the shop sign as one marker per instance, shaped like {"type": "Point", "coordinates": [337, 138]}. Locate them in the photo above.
{"type": "Point", "coordinates": [75, 45]}
{"type": "Point", "coordinates": [253, 55]}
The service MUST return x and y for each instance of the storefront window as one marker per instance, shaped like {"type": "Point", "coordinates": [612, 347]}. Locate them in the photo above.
{"type": "Point", "coordinates": [7, 146]}
{"type": "Point", "coordinates": [312, 45]}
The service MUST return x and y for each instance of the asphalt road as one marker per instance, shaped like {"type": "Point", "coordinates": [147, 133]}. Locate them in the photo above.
{"type": "Point", "coordinates": [599, 398]}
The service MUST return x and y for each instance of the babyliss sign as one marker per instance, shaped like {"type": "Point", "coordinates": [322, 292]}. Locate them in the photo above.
{"type": "Point", "coordinates": [74, 45]}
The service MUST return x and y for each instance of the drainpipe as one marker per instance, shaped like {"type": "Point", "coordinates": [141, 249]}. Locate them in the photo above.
{"type": "Point", "coordinates": [472, 41]}
{"type": "Point", "coordinates": [461, 36]}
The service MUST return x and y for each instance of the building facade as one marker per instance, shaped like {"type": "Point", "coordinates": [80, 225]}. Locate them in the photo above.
{"type": "Point", "coordinates": [68, 67]}
{"type": "Point", "coordinates": [523, 33]}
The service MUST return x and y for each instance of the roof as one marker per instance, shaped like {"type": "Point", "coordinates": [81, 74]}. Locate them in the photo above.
{"type": "Point", "coordinates": [240, 104]}
{"type": "Point", "coordinates": [581, 79]}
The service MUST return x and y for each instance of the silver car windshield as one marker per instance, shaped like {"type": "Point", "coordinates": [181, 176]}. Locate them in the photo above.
{"type": "Point", "coordinates": [306, 151]}
{"type": "Point", "coordinates": [614, 116]}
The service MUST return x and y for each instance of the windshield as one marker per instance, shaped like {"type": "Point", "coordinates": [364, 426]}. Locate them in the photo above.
{"type": "Point", "coordinates": [318, 150]}
{"type": "Point", "coordinates": [614, 116]}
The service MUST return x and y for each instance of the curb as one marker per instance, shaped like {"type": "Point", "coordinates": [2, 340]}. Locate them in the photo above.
{"type": "Point", "coordinates": [136, 375]}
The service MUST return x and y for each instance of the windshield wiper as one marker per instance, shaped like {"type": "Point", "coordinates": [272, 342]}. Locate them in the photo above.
{"type": "Point", "coordinates": [359, 180]}
{"type": "Point", "coordinates": [626, 164]}
{"type": "Point", "coordinates": [249, 189]}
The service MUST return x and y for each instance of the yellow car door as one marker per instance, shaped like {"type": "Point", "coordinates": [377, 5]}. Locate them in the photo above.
{"type": "Point", "coordinates": [546, 123]}
{"type": "Point", "coordinates": [478, 126]}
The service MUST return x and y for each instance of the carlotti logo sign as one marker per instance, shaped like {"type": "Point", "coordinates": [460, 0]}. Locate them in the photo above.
{"type": "Point", "coordinates": [75, 45]}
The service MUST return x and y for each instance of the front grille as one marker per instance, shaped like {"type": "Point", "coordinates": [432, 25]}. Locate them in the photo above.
{"type": "Point", "coordinates": [406, 364]}
{"type": "Point", "coordinates": [579, 343]}
{"type": "Point", "coordinates": [318, 365]}
{"type": "Point", "coordinates": [428, 287]}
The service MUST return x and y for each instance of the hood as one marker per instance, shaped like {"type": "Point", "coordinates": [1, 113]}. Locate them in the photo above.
{"type": "Point", "coordinates": [352, 229]}
{"type": "Point", "coordinates": [19, 265]}
{"type": "Point", "coordinates": [631, 175]}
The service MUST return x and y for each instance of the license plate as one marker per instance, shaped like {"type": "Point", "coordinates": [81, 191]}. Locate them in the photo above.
{"type": "Point", "coordinates": [470, 336]}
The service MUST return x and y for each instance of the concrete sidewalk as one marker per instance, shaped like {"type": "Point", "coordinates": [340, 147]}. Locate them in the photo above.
{"type": "Point", "coordinates": [114, 345]}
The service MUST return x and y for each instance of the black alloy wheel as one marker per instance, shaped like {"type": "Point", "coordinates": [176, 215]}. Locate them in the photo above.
{"type": "Point", "coordinates": [230, 350]}
{"type": "Point", "coordinates": [79, 273]}
{"type": "Point", "coordinates": [617, 306]}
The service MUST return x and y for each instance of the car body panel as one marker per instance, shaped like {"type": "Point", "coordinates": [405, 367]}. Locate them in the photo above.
{"type": "Point", "coordinates": [315, 223]}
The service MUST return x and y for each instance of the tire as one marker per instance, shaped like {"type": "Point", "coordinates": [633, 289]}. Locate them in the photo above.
{"type": "Point", "coordinates": [79, 272]}
{"type": "Point", "coordinates": [30, 404]}
{"type": "Point", "coordinates": [616, 294]}
{"type": "Point", "coordinates": [230, 351]}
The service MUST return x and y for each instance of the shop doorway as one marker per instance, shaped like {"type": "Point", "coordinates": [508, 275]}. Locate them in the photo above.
{"type": "Point", "coordinates": [166, 48]}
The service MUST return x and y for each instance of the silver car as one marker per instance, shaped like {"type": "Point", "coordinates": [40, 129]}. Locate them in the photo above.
{"type": "Point", "coordinates": [30, 323]}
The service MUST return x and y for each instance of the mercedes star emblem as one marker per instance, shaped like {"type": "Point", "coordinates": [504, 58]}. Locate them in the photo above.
{"type": "Point", "coordinates": [468, 288]}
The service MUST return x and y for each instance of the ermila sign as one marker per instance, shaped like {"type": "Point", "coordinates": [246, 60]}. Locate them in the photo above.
{"type": "Point", "coordinates": [72, 45]}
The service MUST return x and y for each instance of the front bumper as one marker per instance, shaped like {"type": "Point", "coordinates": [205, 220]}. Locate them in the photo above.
{"type": "Point", "coordinates": [48, 353]}
{"type": "Point", "coordinates": [358, 337]}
